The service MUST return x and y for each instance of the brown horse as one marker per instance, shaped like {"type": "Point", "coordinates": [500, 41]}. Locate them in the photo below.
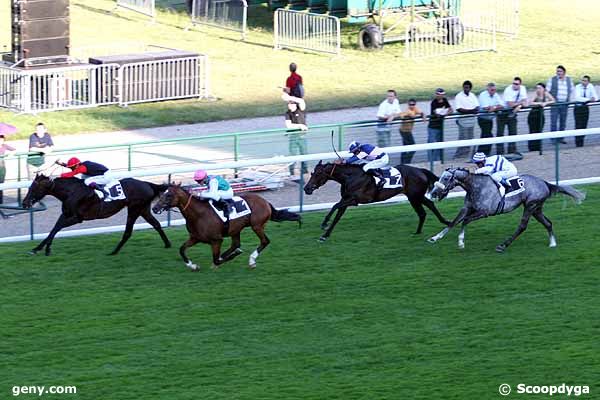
{"type": "Point", "coordinates": [205, 226]}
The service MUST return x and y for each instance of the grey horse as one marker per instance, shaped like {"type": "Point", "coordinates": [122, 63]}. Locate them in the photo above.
{"type": "Point", "coordinates": [483, 200]}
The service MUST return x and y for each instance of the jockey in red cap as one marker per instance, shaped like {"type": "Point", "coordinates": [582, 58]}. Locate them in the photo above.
{"type": "Point", "coordinates": [95, 175]}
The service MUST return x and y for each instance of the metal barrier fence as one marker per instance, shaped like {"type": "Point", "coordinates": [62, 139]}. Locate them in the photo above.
{"type": "Point", "coordinates": [551, 167]}
{"type": "Point", "coordinates": [307, 31]}
{"type": "Point", "coordinates": [506, 13]}
{"type": "Point", "coordinates": [83, 86]}
{"type": "Point", "coordinates": [146, 7]}
{"type": "Point", "coordinates": [225, 14]}
{"type": "Point", "coordinates": [451, 35]}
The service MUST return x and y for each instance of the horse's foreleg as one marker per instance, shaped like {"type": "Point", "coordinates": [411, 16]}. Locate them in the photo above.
{"type": "Point", "coordinates": [329, 214]}
{"type": "Point", "coordinates": [234, 250]}
{"type": "Point", "coordinates": [520, 229]}
{"type": "Point", "coordinates": [459, 218]}
{"type": "Point", "coordinates": [131, 217]}
{"type": "Point", "coordinates": [431, 205]}
{"type": "Point", "coordinates": [336, 219]}
{"type": "Point", "coordinates": [61, 223]}
{"type": "Point", "coordinates": [147, 215]}
{"type": "Point", "coordinates": [542, 219]}
{"type": "Point", "coordinates": [418, 207]}
{"type": "Point", "coordinates": [187, 244]}
{"type": "Point", "coordinates": [264, 242]}
{"type": "Point", "coordinates": [467, 220]}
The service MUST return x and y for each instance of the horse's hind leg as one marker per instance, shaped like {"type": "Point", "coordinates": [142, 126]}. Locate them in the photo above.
{"type": "Point", "coordinates": [216, 253]}
{"type": "Point", "coordinates": [187, 244]}
{"type": "Point", "coordinates": [131, 217]}
{"type": "Point", "coordinates": [234, 250]}
{"type": "Point", "coordinates": [147, 215]}
{"type": "Point", "coordinates": [429, 204]}
{"type": "Point", "coordinates": [264, 242]}
{"type": "Point", "coordinates": [520, 229]}
{"type": "Point", "coordinates": [542, 219]}
{"type": "Point", "coordinates": [418, 207]}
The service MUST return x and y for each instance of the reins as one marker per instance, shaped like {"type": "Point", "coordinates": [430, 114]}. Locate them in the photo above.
{"type": "Point", "coordinates": [188, 202]}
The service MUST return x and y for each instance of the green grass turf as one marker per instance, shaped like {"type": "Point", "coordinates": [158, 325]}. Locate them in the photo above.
{"type": "Point", "coordinates": [375, 313]}
{"type": "Point", "coordinates": [245, 75]}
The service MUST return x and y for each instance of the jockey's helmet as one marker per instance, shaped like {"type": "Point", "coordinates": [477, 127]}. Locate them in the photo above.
{"type": "Point", "coordinates": [479, 157]}
{"type": "Point", "coordinates": [353, 146]}
{"type": "Point", "coordinates": [73, 162]}
{"type": "Point", "coordinates": [200, 175]}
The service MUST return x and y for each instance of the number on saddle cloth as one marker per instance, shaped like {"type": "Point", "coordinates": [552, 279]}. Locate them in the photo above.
{"type": "Point", "coordinates": [514, 185]}
{"type": "Point", "coordinates": [391, 175]}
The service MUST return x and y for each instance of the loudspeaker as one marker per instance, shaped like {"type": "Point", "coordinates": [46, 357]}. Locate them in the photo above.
{"type": "Point", "coordinates": [40, 28]}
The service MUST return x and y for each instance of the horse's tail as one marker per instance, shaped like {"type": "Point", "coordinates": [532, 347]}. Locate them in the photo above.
{"type": "Point", "coordinates": [431, 177]}
{"type": "Point", "coordinates": [158, 189]}
{"type": "Point", "coordinates": [285, 215]}
{"type": "Point", "coordinates": [568, 190]}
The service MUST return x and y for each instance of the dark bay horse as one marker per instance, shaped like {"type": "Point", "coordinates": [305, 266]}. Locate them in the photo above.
{"type": "Point", "coordinates": [205, 226]}
{"type": "Point", "coordinates": [80, 203]}
{"type": "Point", "coordinates": [358, 187]}
{"type": "Point", "coordinates": [483, 200]}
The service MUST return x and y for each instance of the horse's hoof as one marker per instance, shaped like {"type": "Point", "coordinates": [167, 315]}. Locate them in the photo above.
{"type": "Point", "coordinates": [167, 245]}
{"type": "Point", "coordinates": [112, 253]}
{"type": "Point", "coordinates": [214, 267]}
{"type": "Point", "coordinates": [500, 248]}
{"type": "Point", "coordinates": [431, 240]}
{"type": "Point", "coordinates": [47, 253]}
{"type": "Point", "coordinates": [461, 246]}
{"type": "Point", "coordinates": [238, 251]}
{"type": "Point", "coordinates": [417, 233]}
{"type": "Point", "coordinates": [192, 266]}
{"type": "Point", "coordinates": [252, 266]}
{"type": "Point", "coordinates": [32, 252]}
{"type": "Point", "coordinates": [324, 226]}
{"type": "Point", "coordinates": [322, 239]}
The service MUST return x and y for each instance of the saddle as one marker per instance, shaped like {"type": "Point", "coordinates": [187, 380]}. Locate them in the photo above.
{"type": "Point", "coordinates": [513, 186]}
{"type": "Point", "coordinates": [387, 178]}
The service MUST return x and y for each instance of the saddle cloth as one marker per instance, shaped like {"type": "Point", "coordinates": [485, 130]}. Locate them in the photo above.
{"type": "Point", "coordinates": [114, 189]}
{"type": "Point", "coordinates": [238, 209]}
{"type": "Point", "coordinates": [517, 185]}
{"type": "Point", "coordinates": [392, 177]}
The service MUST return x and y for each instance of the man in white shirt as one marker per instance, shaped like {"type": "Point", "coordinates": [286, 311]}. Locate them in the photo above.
{"type": "Point", "coordinates": [584, 94]}
{"type": "Point", "coordinates": [465, 103]}
{"type": "Point", "coordinates": [515, 97]}
{"type": "Point", "coordinates": [489, 103]}
{"type": "Point", "coordinates": [387, 111]}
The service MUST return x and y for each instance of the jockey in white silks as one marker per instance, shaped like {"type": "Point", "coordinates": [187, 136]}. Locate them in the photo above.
{"type": "Point", "coordinates": [498, 167]}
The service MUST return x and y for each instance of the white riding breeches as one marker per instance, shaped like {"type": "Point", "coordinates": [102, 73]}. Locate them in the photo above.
{"type": "Point", "coordinates": [100, 179]}
{"type": "Point", "coordinates": [498, 176]}
{"type": "Point", "coordinates": [379, 163]}
{"type": "Point", "coordinates": [218, 195]}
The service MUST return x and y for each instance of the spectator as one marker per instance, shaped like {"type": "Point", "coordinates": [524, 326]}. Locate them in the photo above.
{"type": "Point", "coordinates": [560, 87]}
{"type": "Point", "coordinates": [515, 97]}
{"type": "Point", "coordinates": [466, 103]}
{"type": "Point", "coordinates": [584, 93]}
{"type": "Point", "coordinates": [489, 103]}
{"type": "Point", "coordinates": [435, 130]}
{"type": "Point", "coordinates": [5, 150]}
{"type": "Point", "coordinates": [40, 142]}
{"type": "Point", "coordinates": [406, 128]}
{"type": "Point", "coordinates": [295, 120]}
{"type": "Point", "coordinates": [536, 118]}
{"type": "Point", "coordinates": [387, 111]}
{"type": "Point", "coordinates": [293, 84]}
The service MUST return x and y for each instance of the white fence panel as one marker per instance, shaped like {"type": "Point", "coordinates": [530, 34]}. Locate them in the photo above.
{"type": "Point", "coordinates": [506, 13]}
{"type": "Point", "coordinates": [436, 37]}
{"type": "Point", "coordinates": [307, 31]}
{"type": "Point", "coordinates": [146, 7]}
{"type": "Point", "coordinates": [225, 14]}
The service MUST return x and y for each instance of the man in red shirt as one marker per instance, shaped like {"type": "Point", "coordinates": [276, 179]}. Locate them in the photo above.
{"type": "Point", "coordinates": [293, 84]}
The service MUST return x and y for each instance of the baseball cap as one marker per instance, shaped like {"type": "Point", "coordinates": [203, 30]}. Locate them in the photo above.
{"type": "Point", "coordinates": [440, 91]}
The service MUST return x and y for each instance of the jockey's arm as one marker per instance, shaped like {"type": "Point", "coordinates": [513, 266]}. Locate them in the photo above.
{"type": "Point", "coordinates": [487, 169]}
{"type": "Point", "coordinates": [356, 157]}
{"type": "Point", "coordinates": [213, 189]}
{"type": "Point", "coordinates": [81, 169]}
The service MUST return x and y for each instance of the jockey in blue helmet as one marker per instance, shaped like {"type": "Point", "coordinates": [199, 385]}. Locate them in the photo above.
{"type": "Point", "coordinates": [498, 167]}
{"type": "Point", "coordinates": [375, 157]}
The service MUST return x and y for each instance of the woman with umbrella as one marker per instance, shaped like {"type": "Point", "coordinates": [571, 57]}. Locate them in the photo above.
{"type": "Point", "coordinates": [5, 150]}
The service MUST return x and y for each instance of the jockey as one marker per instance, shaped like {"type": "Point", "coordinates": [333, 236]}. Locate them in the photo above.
{"type": "Point", "coordinates": [219, 189]}
{"type": "Point", "coordinates": [375, 157]}
{"type": "Point", "coordinates": [498, 167]}
{"type": "Point", "coordinates": [95, 175]}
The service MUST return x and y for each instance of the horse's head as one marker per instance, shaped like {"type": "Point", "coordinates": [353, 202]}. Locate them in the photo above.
{"type": "Point", "coordinates": [448, 181]}
{"type": "Point", "coordinates": [170, 198]}
{"type": "Point", "coordinates": [39, 188]}
{"type": "Point", "coordinates": [319, 177]}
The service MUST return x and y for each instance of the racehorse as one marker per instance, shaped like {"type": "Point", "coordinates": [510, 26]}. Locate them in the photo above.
{"type": "Point", "coordinates": [358, 187]}
{"type": "Point", "coordinates": [205, 226]}
{"type": "Point", "coordinates": [80, 203]}
{"type": "Point", "coordinates": [483, 200]}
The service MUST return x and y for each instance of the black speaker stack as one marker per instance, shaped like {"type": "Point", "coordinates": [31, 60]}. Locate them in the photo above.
{"type": "Point", "coordinates": [40, 32]}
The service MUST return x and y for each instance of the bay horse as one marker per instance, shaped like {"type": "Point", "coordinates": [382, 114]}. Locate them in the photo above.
{"type": "Point", "coordinates": [205, 226]}
{"type": "Point", "coordinates": [80, 203]}
{"type": "Point", "coordinates": [358, 187]}
{"type": "Point", "coordinates": [484, 200]}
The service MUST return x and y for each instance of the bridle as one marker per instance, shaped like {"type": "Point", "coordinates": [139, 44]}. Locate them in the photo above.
{"type": "Point", "coordinates": [188, 202]}
{"type": "Point", "coordinates": [332, 169]}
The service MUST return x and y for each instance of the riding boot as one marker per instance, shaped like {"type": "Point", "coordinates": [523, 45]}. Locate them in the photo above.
{"type": "Point", "coordinates": [501, 189]}
{"type": "Point", "coordinates": [377, 173]}
{"type": "Point", "coordinates": [225, 208]}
